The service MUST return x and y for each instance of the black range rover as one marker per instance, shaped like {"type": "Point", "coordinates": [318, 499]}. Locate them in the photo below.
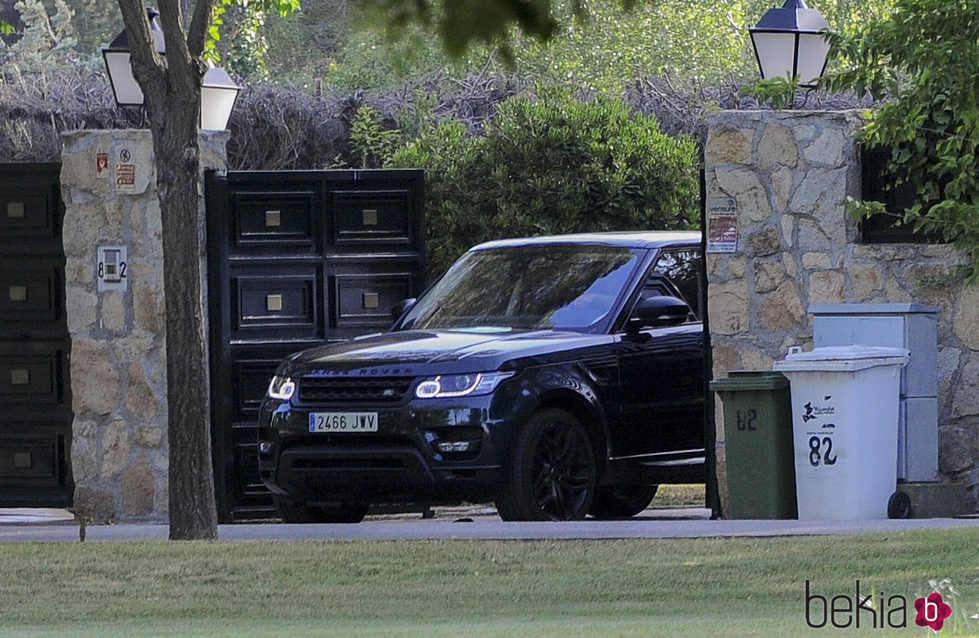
{"type": "Point", "coordinates": [557, 376]}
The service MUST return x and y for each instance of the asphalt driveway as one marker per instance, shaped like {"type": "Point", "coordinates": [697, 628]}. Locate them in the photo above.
{"type": "Point", "coordinates": [467, 523]}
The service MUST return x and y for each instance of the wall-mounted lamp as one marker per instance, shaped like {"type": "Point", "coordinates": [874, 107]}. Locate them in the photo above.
{"type": "Point", "coordinates": [218, 92]}
{"type": "Point", "coordinates": [789, 43]}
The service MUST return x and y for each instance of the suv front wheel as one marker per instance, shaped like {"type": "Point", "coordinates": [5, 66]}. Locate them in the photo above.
{"type": "Point", "coordinates": [552, 472]}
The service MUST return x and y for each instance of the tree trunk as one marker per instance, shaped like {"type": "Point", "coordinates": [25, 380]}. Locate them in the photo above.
{"type": "Point", "coordinates": [192, 508]}
{"type": "Point", "coordinates": [172, 96]}
{"type": "Point", "coordinates": [179, 180]}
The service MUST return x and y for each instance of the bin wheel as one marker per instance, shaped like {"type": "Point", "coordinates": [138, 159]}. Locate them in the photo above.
{"type": "Point", "coordinates": [899, 505]}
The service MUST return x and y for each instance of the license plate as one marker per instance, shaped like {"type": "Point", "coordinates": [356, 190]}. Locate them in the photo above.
{"type": "Point", "coordinates": [343, 422]}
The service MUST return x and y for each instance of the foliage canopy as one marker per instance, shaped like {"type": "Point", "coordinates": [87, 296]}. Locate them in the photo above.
{"type": "Point", "coordinates": [552, 165]}
{"type": "Point", "coordinates": [378, 44]}
{"type": "Point", "coordinates": [921, 62]}
{"type": "Point", "coordinates": [248, 48]}
{"type": "Point", "coordinates": [594, 44]}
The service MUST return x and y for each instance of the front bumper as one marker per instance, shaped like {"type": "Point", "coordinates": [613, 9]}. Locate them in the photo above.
{"type": "Point", "coordinates": [402, 462]}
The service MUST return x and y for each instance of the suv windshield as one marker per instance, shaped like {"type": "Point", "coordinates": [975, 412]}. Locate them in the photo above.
{"type": "Point", "coordinates": [560, 286]}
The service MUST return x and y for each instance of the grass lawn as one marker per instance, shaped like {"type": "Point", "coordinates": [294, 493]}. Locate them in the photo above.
{"type": "Point", "coordinates": [679, 496]}
{"type": "Point", "coordinates": [699, 587]}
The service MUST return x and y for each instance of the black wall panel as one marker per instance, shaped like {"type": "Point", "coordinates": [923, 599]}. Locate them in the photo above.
{"type": "Point", "coordinates": [35, 394]}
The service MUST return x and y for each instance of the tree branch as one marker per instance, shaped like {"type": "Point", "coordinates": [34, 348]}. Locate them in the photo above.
{"type": "Point", "coordinates": [197, 34]}
{"type": "Point", "coordinates": [173, 29]}
{"type": "Point", "coordinates": [145, 59]}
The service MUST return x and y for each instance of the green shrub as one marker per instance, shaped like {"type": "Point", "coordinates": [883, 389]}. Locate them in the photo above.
{"type": "Point", "coordinates": [551, 165]}
{"type": "Point", "coordinates": [370, 143]}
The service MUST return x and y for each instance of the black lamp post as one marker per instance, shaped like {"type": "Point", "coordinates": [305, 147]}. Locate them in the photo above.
{"type": "Point", "coordinates": [218, 92]}
{"type": "Point", "coordinates": [789, 43]}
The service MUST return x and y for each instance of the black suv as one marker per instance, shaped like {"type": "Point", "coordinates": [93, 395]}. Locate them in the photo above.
{"type": "Point", "coordinates": [558, 376]}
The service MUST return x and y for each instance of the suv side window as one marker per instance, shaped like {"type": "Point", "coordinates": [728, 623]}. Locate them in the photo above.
{"type": "Point", "coordinates": [683, 267]}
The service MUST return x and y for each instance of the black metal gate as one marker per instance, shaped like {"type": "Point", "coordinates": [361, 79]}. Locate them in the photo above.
{"type": "Point", "coordinates": [296, 259]}
{"type": "Point", "coordinates": [35, 399]}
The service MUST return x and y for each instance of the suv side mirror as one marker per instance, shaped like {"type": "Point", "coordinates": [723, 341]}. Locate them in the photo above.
{"type": "Point", "coordinates": [658, 311]}
{"type": "Point", "coordinates": [401, 307]}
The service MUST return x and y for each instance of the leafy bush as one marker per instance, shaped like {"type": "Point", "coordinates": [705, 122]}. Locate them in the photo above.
{"type": "Point", "coordinates": [920, 62]}
{"type": "Point", "coordinates": [370, 143]}
{"type": "Point", "coordinates": [552, 165]}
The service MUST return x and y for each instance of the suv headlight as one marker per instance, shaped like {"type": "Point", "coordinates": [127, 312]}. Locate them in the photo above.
{"type": "Point", "coordinates": [281, 388]}
{"type": "Point", "coordinates": [460, 385]}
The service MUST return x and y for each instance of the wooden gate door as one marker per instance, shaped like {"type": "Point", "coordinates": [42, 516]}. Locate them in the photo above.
{"type": "Point", "coordinates": [35, 399]}
{"type": "Point", "coordinates": [296, 259]}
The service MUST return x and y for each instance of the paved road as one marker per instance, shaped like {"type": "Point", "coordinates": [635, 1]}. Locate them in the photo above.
{"type": "Point", "coordinates": [55, 525]}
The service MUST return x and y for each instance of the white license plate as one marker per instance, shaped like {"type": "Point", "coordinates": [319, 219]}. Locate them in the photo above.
{"type": "Point", "coordinates": [343, 422]}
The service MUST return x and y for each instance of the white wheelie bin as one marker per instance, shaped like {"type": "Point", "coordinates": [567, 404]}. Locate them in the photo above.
{"type": "Point", "coordinates": [844, 428]}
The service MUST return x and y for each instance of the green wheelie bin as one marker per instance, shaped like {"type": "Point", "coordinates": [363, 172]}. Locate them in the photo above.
{"type": "Point", "coordinates": [758, 442]}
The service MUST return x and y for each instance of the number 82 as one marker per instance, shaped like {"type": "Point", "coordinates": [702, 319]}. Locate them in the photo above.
{"type": "Point", "coordinates": [826, 457]}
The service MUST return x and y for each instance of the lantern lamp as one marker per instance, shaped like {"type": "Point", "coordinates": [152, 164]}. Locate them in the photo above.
{"type": "Point", "coordinates": [789, 43]}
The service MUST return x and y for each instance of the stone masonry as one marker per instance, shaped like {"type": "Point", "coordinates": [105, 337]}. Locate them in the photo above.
{"type": "Point", "coordinates": [118, 353]}
{"type": "Point", "coordinates": [790, 173]}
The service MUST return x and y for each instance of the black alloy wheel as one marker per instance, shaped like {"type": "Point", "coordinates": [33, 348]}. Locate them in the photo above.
{"type": "Point", "coordinates": [299, 512]}
{"type": "Point", "coordinates": [553, 471]}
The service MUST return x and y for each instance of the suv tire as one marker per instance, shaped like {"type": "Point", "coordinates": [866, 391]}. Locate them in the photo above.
{"type": "Point", "coordinates": [552, 472]}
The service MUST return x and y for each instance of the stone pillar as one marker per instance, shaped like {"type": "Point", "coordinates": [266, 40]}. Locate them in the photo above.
{"type": "Point", "coordinates": [790, 174]}
{"type": "Point", "coordinates": [118, 354]}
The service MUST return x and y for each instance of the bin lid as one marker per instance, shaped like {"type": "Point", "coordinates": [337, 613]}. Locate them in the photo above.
{"type": "Point", "coordinates": [858, 309]}
{"type": "Point", "coordinates": [842, 359]}
{"type": "Point", "coordinates": [742, 380]}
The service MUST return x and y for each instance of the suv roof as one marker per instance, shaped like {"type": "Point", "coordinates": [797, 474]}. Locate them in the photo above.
{"type": "Point", "coordinates": [630, 239]}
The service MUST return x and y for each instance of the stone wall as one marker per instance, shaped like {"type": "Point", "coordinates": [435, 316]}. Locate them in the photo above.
{"type": "Point", "coordinates": [790, 173]}
{"type": "Point", "coordinates": [118, 362]}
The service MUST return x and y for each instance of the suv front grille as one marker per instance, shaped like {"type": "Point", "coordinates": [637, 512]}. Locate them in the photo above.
{"type": "Point", "coordinates": [353, 390]}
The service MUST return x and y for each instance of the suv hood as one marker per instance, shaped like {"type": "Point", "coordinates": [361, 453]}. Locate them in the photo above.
{"type": "Point", "coordinates": [423, 352]}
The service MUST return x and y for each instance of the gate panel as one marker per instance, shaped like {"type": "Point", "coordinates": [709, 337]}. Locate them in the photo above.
{"type": "Point", "coordinates": [35, 400]}
{"type": "Point", "coordinates": [367, 220]}
{"type": "Point", "coordinates": [296, 259]}
{"type": "Point", "coordinates": [365, 301]}
{"type": "Point", "coordinates": [274, 222]}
